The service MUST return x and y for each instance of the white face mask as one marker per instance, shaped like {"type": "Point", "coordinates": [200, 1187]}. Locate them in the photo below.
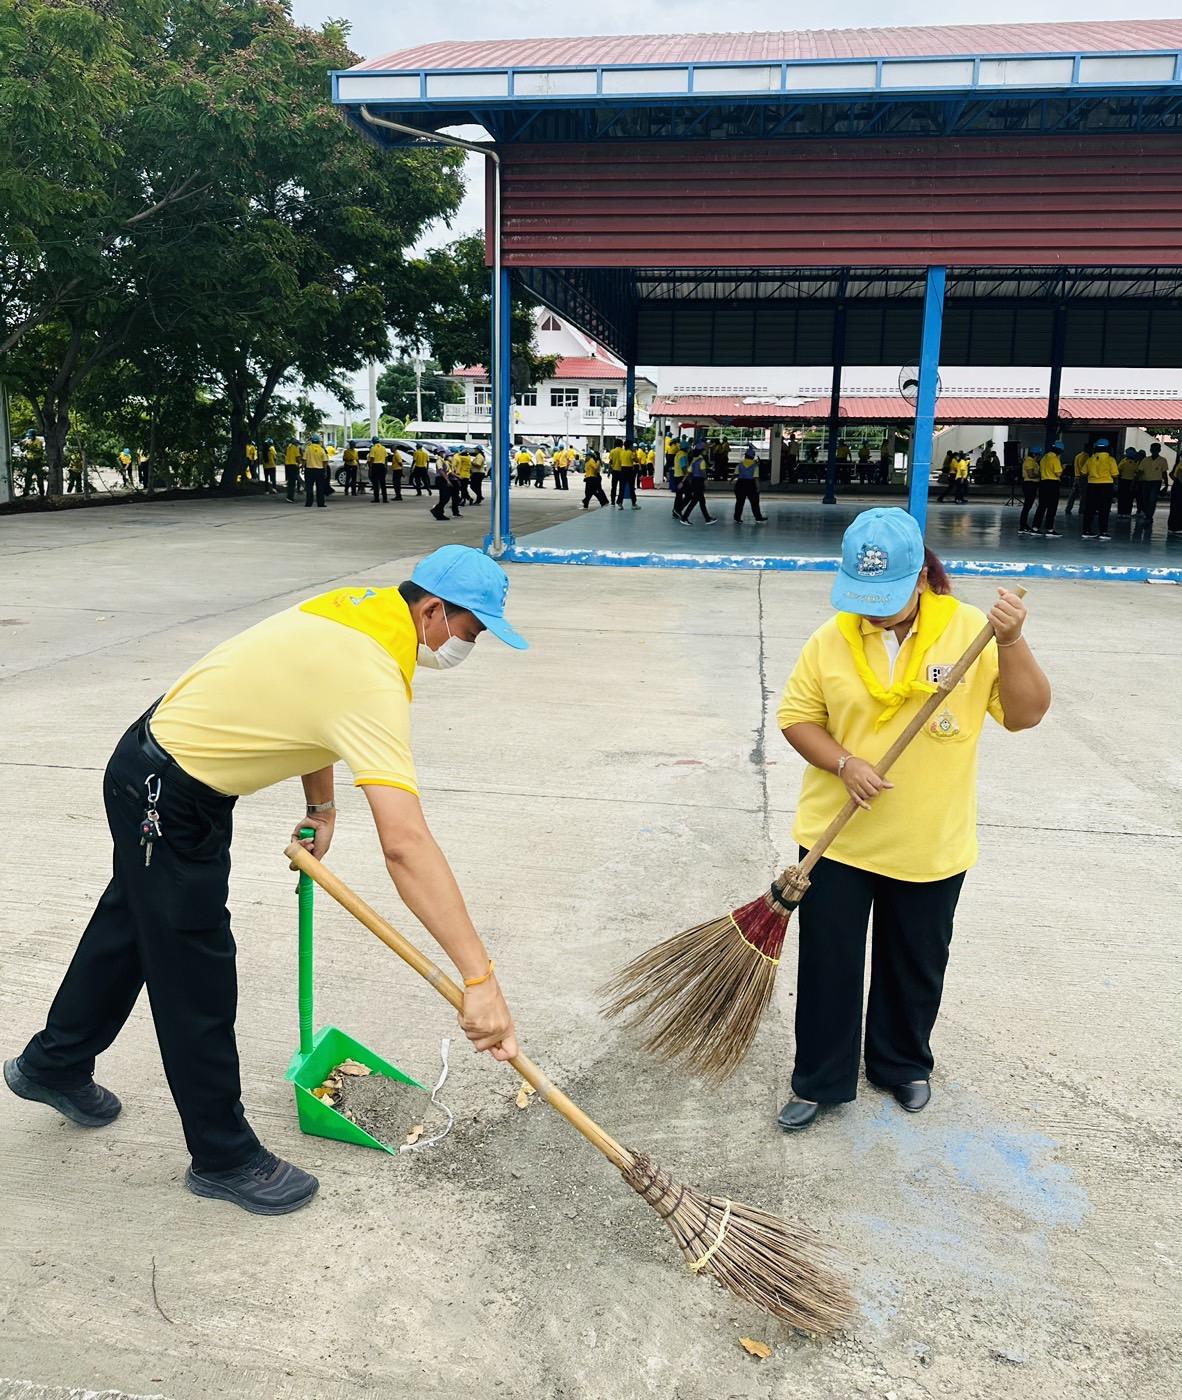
{"type": "Point", "coordinates": [450, 654]}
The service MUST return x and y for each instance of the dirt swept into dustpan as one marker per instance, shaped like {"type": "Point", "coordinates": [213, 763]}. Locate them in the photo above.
{"type": "Point", "coordinates": [387, 1109]}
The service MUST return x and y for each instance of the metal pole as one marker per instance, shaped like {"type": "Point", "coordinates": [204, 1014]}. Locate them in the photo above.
{"type": "Point", "coordinates": [925, 399]}
{"type": "Point", "coordinates": [630, 404]}
{"type": "Point", "coordinates": [499, 372]}
{"type": "Point", "coordinates": [1058, 348]}
{"type": "Point", "coordinates": [373, 398]}
{"type": "Point", "coordinates": [419, 392]}
{"type": "Point", "coordinates": [830, 496]}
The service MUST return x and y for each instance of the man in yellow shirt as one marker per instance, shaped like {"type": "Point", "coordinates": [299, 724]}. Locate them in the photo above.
{"type": "Point", "coordinates": [461, 466]}
{"type": "Point", "coordinates": [291, 468]}
{"type": "Point", "coordinates": [1126, 483]}
{"type": "Point", "coordinates": [329, 680]}
{"type": "Point", "coordinates": [1151, 476]}
{"type": "Point", "coordinates": [252, 461]}
{"type": "Point", "coordinates": [525, 465]}
{"type": "Point", "coordinates": [315, 471]}
{"type": "Point", "coordinates": [681, 478]}
{"type": "Point", "coordinates": [376, 462]}
{"type": "Point", "coordinates": [1031, 476]}
{"type": "Point", "coordinates": [479, 472]}
{"type": "Point", "coordinates": [419, 477]}
{"type": "Point", "coordinates": [396, 472]}
{"type": "Point", "coordinates": [1101, 472]}
{"type": "Point", "coordinates": [270, 465]}
{"type": "Point", "coordinates": [1079, 481]}
{"type": "Point", "coordinates": [351, 460]}
{"type": "Point", "coordinates": [1050, 472]}
{"type": "Point", "coordinates": [592, 479]}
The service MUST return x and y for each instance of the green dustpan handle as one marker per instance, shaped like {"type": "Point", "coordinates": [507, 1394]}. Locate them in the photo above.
{"type": "Point", "coordinates": [305, 890]}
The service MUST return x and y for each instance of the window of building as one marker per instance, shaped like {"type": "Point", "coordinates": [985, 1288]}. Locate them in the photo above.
{"type": "Point", "coordinates": [564, 398]}
{"type": "Point", "coordinates": [550, 323]}
{"type": "Point", "coordinates": [528, 398]}
{"type": "Point", "coordinates": [483, 394]}
{"type": "Point", "coordinates": [604, 398]}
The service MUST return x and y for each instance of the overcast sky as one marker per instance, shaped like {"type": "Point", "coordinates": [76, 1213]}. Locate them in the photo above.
{"type": "Point", "coordinates": [380, 28]}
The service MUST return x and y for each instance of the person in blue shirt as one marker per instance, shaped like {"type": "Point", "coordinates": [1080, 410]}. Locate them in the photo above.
{"type": "Point", "coordinates": [747, 486]}
{"type": "Point", "coordinates": [696, 496]}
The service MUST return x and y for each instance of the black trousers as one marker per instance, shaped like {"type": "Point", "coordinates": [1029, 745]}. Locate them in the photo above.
{"type": "Point", "coordinates": [560, 480]}
{"type": "Point", "coordinates": [377, 480]}
{"type": "Point", "coordinates": [315, 484]}
{"type": "Point", "coordinates": [747, 490]}
{"type": "Point", "coordinates": [1097, 505]}
{"type": "Point", "coordinates": [396, 482]}
{"type": "Point", "coordinates": [615, 476]}
{"type": "Point", "coordinates": [165, 925]}
{"type": "Point", "coordinates": [1174, 523]}
{"type": "Point", "coordinates": [912, 934]}
{"type": "Point", "coordinates": [695, 496]}
{"type": "Point", "coordinates": [593, 491]}
{"type": "Point", "coordinates": [269, 473]}
{"type": "Point", "coordinates": [681, 493]}
{"type": "Point", "coordinates": [420, 480]}
{"type": "Point", "coordinates": [477, 480]}
{"type": "Point", "coordinates": [448, 495]}
{"type": "Point", "coordinates": [351, 487]}
{"type": "Point", "coordinates": [1048, 504]}
{"type": "Point", "coordinates": [1126, 491]}
{"type": "Point", "coordinates": [1029, 496]}
{"type": "Point", "coordinates": [539, 477]}
{"type": "Point", "coordinates": [291, 476]}
{"type": "Point", "coordinates": [1147, 494]}
{"type": "Point", "coordinates": [524, 473]}
{"type": "Point", "coordinates": [627, 485]}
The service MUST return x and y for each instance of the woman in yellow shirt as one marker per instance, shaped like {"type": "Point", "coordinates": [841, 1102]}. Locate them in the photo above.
{"type": "Point", "coordinates": [1101, 472]}
{"type": "Point", "coordinates": [1031, 476]}
{"type": "Point", "coordinates": [859, 680]}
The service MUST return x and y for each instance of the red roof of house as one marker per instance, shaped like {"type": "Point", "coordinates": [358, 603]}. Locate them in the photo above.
{"type": "Point", "coordinates": [919, 42]}
{"type": "Point", "coordinates": [569, 367]}
{"type": "Point", "coordinates": [893, 409]}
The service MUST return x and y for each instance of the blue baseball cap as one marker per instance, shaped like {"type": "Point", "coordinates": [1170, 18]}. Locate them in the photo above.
{"type": "Point", "coordinates": [881, 558]}
{"type": "Point", "coordinates": [468, 579]}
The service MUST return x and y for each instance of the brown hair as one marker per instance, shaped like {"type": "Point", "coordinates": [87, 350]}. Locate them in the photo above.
{"type": "Point", "coordinates": [937, 575]}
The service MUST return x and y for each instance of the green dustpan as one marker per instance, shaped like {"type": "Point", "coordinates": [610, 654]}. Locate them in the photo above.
{"type": "Point", "coordinates": [319, 1054]}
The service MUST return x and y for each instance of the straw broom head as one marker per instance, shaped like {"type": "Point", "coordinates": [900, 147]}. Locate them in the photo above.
{"type": "Point", "coordinates": [699, 996]}
{"type": "Point", "coordinates": [780, 1267]}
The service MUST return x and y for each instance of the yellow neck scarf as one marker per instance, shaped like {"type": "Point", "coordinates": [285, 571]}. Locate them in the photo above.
{"type": "Point", "coordinates": [935, 612]}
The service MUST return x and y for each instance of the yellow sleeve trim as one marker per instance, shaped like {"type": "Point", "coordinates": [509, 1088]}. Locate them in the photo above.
{"type": "Point", "coordinates": [369, 780]}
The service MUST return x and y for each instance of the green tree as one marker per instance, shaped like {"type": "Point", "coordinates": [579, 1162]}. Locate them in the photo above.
{"type": "Point", "coordinates": [397, 389]}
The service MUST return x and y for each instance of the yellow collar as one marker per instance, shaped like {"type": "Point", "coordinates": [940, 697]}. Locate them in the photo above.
{"type": "Point", "coordinates": [381, 613]}
{"type": "Point", "coordinates": [935, 613]}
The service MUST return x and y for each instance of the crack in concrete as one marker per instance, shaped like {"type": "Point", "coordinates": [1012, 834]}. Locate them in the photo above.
{"type": "Point", "coordinates": [759, 749]}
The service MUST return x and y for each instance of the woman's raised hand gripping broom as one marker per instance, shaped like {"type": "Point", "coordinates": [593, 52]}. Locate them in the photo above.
{"type": "Point", "coordinates": [776, 1265]}
{"type": "Point", "coordinates": [698, 997]}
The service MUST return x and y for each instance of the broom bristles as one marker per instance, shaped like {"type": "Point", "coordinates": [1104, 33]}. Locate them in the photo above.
{"type": "Point", "coordinates": [700, 995]}
{"type": "Point", "coordinates": [782, 1267]}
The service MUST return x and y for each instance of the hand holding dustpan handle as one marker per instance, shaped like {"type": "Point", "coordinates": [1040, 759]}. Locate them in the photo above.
{"type": "Point", "coordinates": [310, 867]}
{"type": "Point", "coordinates": [794, 876]}
{"type": "Point", "coordinates": [304, 895]}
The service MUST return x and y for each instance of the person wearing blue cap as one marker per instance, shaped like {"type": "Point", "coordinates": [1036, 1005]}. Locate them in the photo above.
{"type": "Point", "coordinates": [315, 471]}
{"type": "Point", "coordinates": [858, 682]}
{"type": "Point", "coordinates": [1100, 471]}
{"type": "Point", "coordinates": [327, 680]}
{"type": "Point", "coordinates": [1050, 473]}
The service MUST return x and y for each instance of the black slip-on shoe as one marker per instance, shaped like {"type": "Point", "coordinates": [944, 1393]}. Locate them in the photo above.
{"type": "Point", "coordinates": [266, 1185]}
{"type": "Point", "coordinates": [914, 1096]}
{"type": "Point", "coordinates": [91, 1106]}
{"type": "Point", "coordinates": [797, 1113]}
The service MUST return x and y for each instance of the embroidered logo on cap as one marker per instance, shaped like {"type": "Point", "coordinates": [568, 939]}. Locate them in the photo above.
{"type": "Point", "coordinates": [872, 561]}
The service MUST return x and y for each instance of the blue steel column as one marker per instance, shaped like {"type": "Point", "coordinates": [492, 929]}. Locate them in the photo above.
{"type": "Point", "coordinates": [502, 407]}
{"type": "Point", "coordinates": [630, 404]}
{"type": "Point", "coordinates": [925, 399]}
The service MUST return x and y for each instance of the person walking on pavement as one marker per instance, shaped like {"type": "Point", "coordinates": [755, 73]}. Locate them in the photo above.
{"type": "Point", "coordinates": [447, 489]}
{"type": "Point", "coordinates": [376, 462]}
{"type": "Point", "coordinates": [291, 468]}
{"type": "Point", "coordinates": [747, 485]}
{"type": "Point", "coordinates": [270, 466]}
{"type": "Point", "coordinates": [562, 460]}
{"type": "Point", "coordinates": [697, 486]}
{"type": "Point", "coordinates": [681, 478]}
{"type": "Point", "coordinates": [328, 680]}
{"type": "Point", "coordinates": [477, 476]}
{"type": "Point", "coordinates": [627, 471]}
{"type": "Point", "coordinates": [351, 461]}
{"type": "Point", "coordinates": [396, 472]}
{"type": "Point", "coordinates": [1101, 471]}
{"type": "Point", "coordinates": [315, 472]}
{"type": "Point", "coordinates": [858, 682]}
{"type": "Point", "coordinates": [1050, 472]}
{"type": "Point", "coordinates": [1031, 476]}
{"type": "Point", "coordinates": [419, 464]}
{"type": "Point", "coordinates": [540, 468]}
{"type": "Point", "coordinates": [592, 479]}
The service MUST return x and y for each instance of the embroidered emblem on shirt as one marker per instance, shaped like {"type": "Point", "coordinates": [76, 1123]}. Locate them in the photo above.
{"type": "Point", "coordinates": [872, 560]}
{"type": "Point", "coordinates": [944, 726]}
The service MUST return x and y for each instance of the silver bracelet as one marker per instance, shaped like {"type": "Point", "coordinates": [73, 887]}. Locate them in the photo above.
{"type": "Point", "coordinates": [841, 763]}
{"type": "Point", "coordinates": [315, 808]}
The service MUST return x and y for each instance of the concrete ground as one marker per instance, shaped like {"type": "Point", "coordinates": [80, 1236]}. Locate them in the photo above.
{"type": "Point", "coordinates": [619, 781]}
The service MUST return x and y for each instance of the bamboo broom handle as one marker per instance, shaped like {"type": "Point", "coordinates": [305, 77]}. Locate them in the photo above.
{"type": "Point", "coordinates": [549, 1093]}
{"type": "Point", "coordinates": [918, 720]}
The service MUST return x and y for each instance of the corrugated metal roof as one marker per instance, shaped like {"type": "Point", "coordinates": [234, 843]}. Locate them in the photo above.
{"type": "Point", "coordinates": [569, 367]}
{"type": "Point", "coordinates": [892, 409]}
{"type": "Point", "coordinates": [962, 40]}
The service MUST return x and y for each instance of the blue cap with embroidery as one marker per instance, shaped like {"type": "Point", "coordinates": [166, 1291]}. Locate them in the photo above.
{"type": "Point", "coordinates": [881, 558]}
{"type": "Point", "coordinates": [468, 579]}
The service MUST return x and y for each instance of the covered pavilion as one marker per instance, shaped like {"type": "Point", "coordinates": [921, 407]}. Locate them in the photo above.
{"type": "Point", "coordinates": [969, 195]}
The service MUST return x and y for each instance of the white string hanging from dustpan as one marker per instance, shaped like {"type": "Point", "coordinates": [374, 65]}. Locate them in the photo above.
{"type": "Point", "coordinates": [444, 1048]}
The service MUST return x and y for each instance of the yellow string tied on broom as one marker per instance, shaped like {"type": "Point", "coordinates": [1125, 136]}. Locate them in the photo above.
{"type": "Point", "coordinates": [699, 1264]}
{"type": "Point", "coordinates": [775, 962]}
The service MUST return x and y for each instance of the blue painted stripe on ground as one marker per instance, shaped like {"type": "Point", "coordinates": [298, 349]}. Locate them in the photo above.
{"type": "Point", "coordinates": [799, 563]}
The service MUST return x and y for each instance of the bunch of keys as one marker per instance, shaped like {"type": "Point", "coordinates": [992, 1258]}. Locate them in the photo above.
{"type": "Point", "coordinates": [150, 826]}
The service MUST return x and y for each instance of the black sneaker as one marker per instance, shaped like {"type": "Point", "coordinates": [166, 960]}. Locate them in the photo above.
{"type": "Point", "coordinates": [266, 1185]}
{"type": "Point", "coordinates": [92, 1106]}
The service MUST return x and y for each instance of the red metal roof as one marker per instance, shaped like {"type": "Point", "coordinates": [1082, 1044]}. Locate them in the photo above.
{"type": "Point", "coordinates": [959, 40]}
{"type": "Point", "coordinates": [892, 409]}
{"type": "Point", "coordinates": [569, 367]}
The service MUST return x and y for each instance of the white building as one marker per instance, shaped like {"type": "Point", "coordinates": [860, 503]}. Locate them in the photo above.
{"type": "Point", "coordinates": [584, 399]}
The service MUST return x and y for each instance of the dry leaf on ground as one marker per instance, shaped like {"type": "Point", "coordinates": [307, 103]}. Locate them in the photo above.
{"type": "Point", "coordinates": [352, 1067]}
{"type": "Point", "coordinates": [760, 1349]}
{"type": "Point", "coordinates": [524, 1094]}
{"type": "Point", "coordinates": [415, 1133]}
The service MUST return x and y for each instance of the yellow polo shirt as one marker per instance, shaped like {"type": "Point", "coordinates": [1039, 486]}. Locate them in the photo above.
{"type": "Point", "coordinates": [591, 466]}
{"type": "Point", "coordinates": [680, 464]}
{"type": "Point", "coordinates": [272, 458]}
{"type": "Point", "coordinates": [1051, 467]}
{"type": "Point", "coordinates": [461, 464]}
{"type": "Point", "coordinates": [327, 680]}
{"type": "Point", "coordinates": [1127, 468]}
{"type": "Point", "coordinates": [926, 827]}
{"type": "Point", "coordinates": [315, 457]}
{"type": "Point", "coordinates": [291, 455]}
{"type": "Point", "coordinates": [1100, 469]}
{"type": "Point", "coordinates": [378, 453]}
{"type": "Point", "coordinates": [420, 457]}
{"type": "Point", "coordinates": [1030, 468]}
{"type": "Point", "coordinates": [1152, 469]}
